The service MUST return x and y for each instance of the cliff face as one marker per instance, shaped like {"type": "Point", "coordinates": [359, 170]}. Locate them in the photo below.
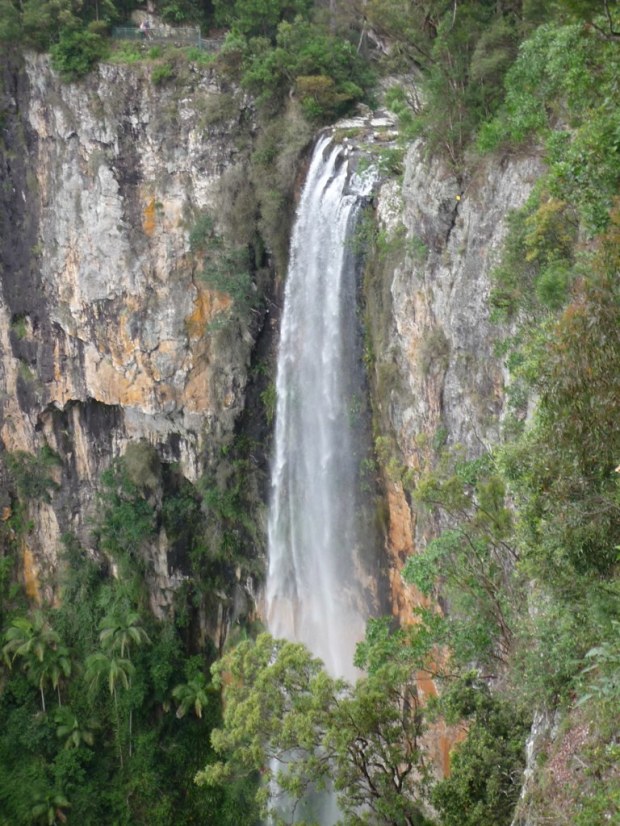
{"type": "Point", "coordinates": [104, 323]}
{"type": "Point", "coordinates": [438, 379]}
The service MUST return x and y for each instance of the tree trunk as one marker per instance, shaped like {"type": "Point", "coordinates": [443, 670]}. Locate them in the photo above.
{"type": "Point", "coordinates": [118, 729]}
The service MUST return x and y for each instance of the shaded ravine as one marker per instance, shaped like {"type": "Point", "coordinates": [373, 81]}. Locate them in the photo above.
{"type": "Point", "coordinates": [315, 591]}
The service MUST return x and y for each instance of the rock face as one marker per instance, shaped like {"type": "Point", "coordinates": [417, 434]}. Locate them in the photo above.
{"type": "Point", "coordinates": [436, 379]}
{"type": "Point", "coordinates": [103, 321]}
{"type": "Point", "coordinates": [439, 382]}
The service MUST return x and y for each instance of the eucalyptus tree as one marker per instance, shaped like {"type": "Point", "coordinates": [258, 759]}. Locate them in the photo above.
{"type": "Point", "coordinates": [282, 708]}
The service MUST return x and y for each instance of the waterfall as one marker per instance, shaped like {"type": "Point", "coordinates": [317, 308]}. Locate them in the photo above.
{"type": "Point", "coordinates": [314, 592]}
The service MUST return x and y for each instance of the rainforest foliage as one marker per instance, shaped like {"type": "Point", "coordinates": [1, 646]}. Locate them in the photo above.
{"type": "Point", "coordinates": [107, 714]}
{"type": "Point", "coordinates": [106, 711]}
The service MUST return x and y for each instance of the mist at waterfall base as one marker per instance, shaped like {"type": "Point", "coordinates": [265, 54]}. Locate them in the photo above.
{"type": "Point", "coordinates": [314, 591]}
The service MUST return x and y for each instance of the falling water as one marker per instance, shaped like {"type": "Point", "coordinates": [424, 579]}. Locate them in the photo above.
{"type": "Point", "coordinates": [314, 594]}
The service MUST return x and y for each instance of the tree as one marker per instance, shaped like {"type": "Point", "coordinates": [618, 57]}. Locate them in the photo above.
{"type": "Point", "coordinates": [106, 666]}
{"type": "Point", "coordinates": [121, 630]}
{"type": "Point", "coordinates": [486, 771]}
{"type": "Point", "coordinates": [258, 18]}
{"type": "Point", "coordinates": [10, 22]}
{"type": "Point", "coordinates": [43, 20]}
{"type": "Point", "coordinates": [73, 731]}
{"type": "Point", "coordinates": [470, 560]}
{"type": "Point", "coordinates": [44, 657]}
{"type": "Point", "coordinates": [115, 670]}
{"type": "Point", "coordinates": [192, 694]}
{"type": "Point", "coordinates": [280, 706]}
{"type": "Point", "coordinates": [48, 808]}
{"type": "Point", "coordinates": [602, 15]}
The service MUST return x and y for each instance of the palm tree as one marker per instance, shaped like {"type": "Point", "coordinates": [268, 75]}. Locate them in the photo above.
{"type": "Point", "coordinates": [110, 666]}
{"type": "Point", "coordinates": [192, 694]}
{"type": "Point", "coordinates": [120, 631]}
{"type": "Point", "coordinates": [44, 656]}
{"type": "Point", "coordinates": [72, 730]}
{"type": "Point", "coordinates": [48, 808]}
{"type": "Point", "coordinates": [115, 670]}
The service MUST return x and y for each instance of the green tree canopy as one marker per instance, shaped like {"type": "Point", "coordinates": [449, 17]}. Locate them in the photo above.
{"type": "Point", "coordinates": [258, 18]}
{"type": "Point", "coordinates": [280, 705]}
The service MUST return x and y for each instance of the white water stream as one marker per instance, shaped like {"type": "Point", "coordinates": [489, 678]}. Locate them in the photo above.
{"type": "Point", "coordinates": [313, 593]}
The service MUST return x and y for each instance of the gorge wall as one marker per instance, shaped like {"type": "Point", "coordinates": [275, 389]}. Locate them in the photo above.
{"type": "Point", "coordinates": [107, 334]}
{"type": "Point", "coordinates": [438, 381]}
{"type": "Point", "coordinates": [103, 318]}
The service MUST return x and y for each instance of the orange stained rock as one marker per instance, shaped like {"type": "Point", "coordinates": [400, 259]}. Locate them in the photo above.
{"type": "Point", "coordinates": [196, 394]}
{"type": "Point", "coordinates": [148, 220]}
{"type": "Point", "coordinates": [401, 523]}
{"type": "Point", "coordinates": [109, 385]}
{"type": "Point", "coordinates": [31, 579]}
{"type": "Point", "coordinates": [207, 305]}
{"type": "Point", "coordinates": [440, 739]}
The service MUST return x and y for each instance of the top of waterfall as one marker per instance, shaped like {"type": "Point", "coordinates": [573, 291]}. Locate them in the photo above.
{"type": "Point", "coordinates": [376, 127]}
{"type": "Point", "coordinates": [381, 119]}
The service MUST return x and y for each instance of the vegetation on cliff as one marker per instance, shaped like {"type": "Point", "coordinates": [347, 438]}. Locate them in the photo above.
{"type": "Point", "coordinates": [105, 711]}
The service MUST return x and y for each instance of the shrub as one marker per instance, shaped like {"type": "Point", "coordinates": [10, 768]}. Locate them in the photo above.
{"type": "Point", "coordinates": [31, 473]}
{"type": "Point", "coordinates": [77, 52]}
{"type": "Point", "coordinates": [319, 97]}
{"type": "Point", "coordinates": [161, 73]}
{"type": "Point", "coordinates": [225, 267]}
{"type": "Point", "coordinates": [434, 351]}
{"type": "Point", "coordinates": [484, 781]}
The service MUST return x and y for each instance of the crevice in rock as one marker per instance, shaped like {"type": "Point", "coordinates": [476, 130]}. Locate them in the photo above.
{"type": "Point", "coordinates": [453, 218]}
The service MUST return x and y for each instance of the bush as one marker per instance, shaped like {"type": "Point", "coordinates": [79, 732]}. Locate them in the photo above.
{"type": "Point", "coordinates": [126, 520]}
{"type": "Point", "coordinates": [484, 781]}
{"type": "Point", "coordinates": [161, 73]}
{"type": "Point", "coordinates": [318, 66]}
{"type": "Point", "coordinates": [77, 52]}
{"type": "Point", "coordinates": [225, 267]}
{"type": "Point", "coordinates": [319, 97]}
{"type": "Point", "coordinates": [32, 473]}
